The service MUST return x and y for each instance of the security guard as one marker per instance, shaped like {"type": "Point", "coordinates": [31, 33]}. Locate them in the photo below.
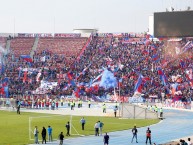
{"type": "Point", "coordinates": [161, 113]}
{"type": "Point", "coordinates": [156, 109]}
{"type": "Point", "coordinates": [150, 108]}
{"type": "Point", "coordinates": [153, 108]}
{"type": "Point", "coordinates": [104, 108]}
{"type": "Point", "coordinates": [89, 103]}
{"type": "Point", "coordinates": [72, 105]}
{"type": "Point", "coordinates": [61, 101]}
{"type": "Point", "coordinates": [116, 105]}
{"type": "Point", "coordinates": [69, 103]}
{"type": "Point", "coordinates": [80, 103]}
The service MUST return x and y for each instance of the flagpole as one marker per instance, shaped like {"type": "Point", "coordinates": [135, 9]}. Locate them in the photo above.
{"type": "Point", "coordinates": [119, 93]}
{"type": "Point", "coordinates": [115, 96]}
{"type": "Point", "coordinates": [13, 27]}
{"type": "Point", "coordinates": [120, 89]}
{"type": "Point", "coordinates": [152, 68]}
{"type": "Point", "coordinates": [54, 26]}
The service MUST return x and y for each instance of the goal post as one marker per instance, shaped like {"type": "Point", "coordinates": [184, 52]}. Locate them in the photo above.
{"type": "Point", "coordinates": [57, 122]}
{"type": "Point", "coordinates": [72, 128]}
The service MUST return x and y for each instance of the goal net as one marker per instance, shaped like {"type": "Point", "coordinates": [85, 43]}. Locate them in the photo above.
{"type": "Point", "coordinates": [57, 123]}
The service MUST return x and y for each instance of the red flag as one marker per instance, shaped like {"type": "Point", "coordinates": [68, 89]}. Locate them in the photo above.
{"type": "Point", "coordinates": [25, 76]}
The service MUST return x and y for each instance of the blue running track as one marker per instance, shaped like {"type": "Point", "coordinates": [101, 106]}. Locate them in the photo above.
{"type": "Point", "coordinates": [177, 124]}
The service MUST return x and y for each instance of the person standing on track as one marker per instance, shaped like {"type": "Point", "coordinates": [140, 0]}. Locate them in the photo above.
{"type": "Point", "coordinates": [134, 131]}
{"type": "Point", "coordinates": [106, 139]}
{"type": "Point", "coordinates": [148, 135]}
{"type": "Point", "coordinates": [61, 138]}
{"type": "Point", "coordinates": [161, 113]}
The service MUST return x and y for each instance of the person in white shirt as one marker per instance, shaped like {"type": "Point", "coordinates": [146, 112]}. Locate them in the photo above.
{"type": "Point", "coordinates": [189, 142]}
{"type": "Point", "coordinates": [96, 127]}
{"type": "Point", "coordinates": [36, 135]}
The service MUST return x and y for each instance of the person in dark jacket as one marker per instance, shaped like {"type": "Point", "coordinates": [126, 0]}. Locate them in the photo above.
{"type": "Point", "coordinates": [44, 135]}
{"type": "Point", "coordinates": [148, 135]}
{"type": "Point", "coordinates": [68, 129]}
{"type": "Point", "coordinates": [18, 106]}
{"type": "Point", "coordinates": [134, 131]}
{"type": "Point", "coordinates": [106, 139]}
{"type": "Point", "coordinates": [61, 137]}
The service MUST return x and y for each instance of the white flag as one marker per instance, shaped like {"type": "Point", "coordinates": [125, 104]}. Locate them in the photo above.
{"type": "Point", "coordinates": [43, 59]}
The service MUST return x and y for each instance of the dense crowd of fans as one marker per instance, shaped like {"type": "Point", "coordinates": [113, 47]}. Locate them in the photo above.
{"type": "Point", "coordinates": [127, 57]}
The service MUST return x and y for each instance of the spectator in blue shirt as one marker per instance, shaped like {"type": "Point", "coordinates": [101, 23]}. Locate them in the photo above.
{"type": "Point", "coordinates": [49, 133]}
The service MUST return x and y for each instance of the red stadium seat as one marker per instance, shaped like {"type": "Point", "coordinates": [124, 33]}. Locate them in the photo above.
{"type": "Point", "coordinates": [22, 46]}
{"type": "Point", "coordinates": [63, 46]}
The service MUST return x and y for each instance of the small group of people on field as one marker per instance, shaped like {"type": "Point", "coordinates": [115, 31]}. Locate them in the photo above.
{"type": "Point", "coordinates": [98, 128]}
{"type": "Point", "coordinates": [98, 131]}
{"type": "Point", "coordinates": [154, 108]}
{"type": "Point", "coordinates": [43, 134]}
{"type": "Point", "coordinates": [148, 135]}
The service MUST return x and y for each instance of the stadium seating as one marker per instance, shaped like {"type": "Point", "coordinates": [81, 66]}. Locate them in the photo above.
{"type": "Point", "coordinates": [21, 46]}
{"type": "Point", "coordinates": [61, 46]}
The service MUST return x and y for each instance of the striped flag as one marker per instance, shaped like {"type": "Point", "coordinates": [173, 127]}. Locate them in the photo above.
{"type": "Point", "coordinates": [138, 85]}
{"type": "Point", "coordinates": [71, 79]}
{"type": "Point", "coordinates": [155, 58]}
{"type": "Point", "coordinates": [162, 76]}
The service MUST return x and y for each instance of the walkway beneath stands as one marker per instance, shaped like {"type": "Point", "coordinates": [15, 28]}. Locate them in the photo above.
{"type": "Point", "coordinates": [177, 124]}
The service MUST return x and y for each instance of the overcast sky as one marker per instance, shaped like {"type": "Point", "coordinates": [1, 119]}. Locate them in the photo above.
{"type": "Point", "coordinates": [62, 16]}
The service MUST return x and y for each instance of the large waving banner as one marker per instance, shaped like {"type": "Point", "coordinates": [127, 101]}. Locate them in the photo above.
{"type": "Point", "coordinates": [45, 86]}
{"type": "Point", "coordinates": [177, 104]}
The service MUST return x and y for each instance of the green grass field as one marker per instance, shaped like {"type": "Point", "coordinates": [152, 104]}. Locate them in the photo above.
{"type": "Point", "coordinates": [14, 129]}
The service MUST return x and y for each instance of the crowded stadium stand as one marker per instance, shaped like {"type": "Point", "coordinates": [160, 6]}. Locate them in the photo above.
{"type": "Point", "coordinates": [142, 67]}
